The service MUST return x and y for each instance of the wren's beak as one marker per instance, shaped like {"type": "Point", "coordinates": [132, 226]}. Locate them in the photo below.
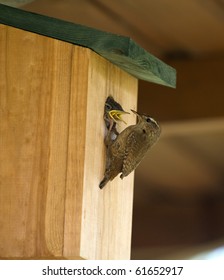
{"type": "Point", "coordinates": [116, 115]}
{"type": "Point", "coordinates": [138, 114]}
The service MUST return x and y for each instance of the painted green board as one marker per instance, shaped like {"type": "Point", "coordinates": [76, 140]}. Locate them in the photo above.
{"type": "Point", "coordinates": [120, 50]}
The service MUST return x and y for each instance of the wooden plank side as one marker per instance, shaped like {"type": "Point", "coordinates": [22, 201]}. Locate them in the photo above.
{"type": "Point", "coordinates": [34, 87]}
{"type": "Point", "coordinates": [52, 152]}
{"type": "Point", "coordinates": [107, 213]}
{"type": "Point", "coordinates": [119, 50]}
{"type": "Point", "coordinates": [58, 143]}
{"type": "Point", "coordinates": [76, 151]}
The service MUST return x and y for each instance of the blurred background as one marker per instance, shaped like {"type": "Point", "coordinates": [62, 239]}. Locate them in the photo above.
{"type": "Point", "coordinates": [179, 188]}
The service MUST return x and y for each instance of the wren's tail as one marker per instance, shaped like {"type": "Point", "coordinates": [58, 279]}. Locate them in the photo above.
{"type": "Point", "coordinates": [104, 182]}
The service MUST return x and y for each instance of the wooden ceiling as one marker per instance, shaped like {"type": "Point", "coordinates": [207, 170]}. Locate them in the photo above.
{"type": "Point", "coordinates": [180, 185]}
{"type": "Point", "coordinates": [160, 26]}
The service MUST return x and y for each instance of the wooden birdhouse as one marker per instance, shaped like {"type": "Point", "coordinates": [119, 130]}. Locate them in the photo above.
{"type": "Point", "coordinates": [54, 79]}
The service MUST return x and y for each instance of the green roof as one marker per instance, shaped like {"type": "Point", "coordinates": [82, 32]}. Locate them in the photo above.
{"type": "Point", "coordinates": [120, 50]}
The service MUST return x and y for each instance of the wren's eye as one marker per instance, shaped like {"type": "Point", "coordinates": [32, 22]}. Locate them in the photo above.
{"type": "Point", "coordinates": [152, 122]}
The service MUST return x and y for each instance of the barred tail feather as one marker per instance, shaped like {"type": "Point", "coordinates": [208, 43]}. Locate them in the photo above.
{"type": "Point", "coordinates": [103, 183]}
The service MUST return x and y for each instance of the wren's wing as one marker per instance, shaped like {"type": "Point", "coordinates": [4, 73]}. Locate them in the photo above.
{"type": "Point", "coordinates": [135, 151]}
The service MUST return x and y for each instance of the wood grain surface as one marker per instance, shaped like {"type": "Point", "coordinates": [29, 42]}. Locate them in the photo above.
{"type": "Point", "coordinates": [52, 151]}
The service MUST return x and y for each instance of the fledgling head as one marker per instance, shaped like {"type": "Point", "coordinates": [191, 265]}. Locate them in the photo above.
{"type": "Point", "coordinates": [113, 110]}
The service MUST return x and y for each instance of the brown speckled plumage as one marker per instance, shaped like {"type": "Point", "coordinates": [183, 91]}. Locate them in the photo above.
{"type": "Point", "coordinates": [126, 152]}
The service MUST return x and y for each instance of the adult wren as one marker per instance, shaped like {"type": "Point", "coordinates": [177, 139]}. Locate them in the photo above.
{"type": "Point", "coordinates": [126, 152]}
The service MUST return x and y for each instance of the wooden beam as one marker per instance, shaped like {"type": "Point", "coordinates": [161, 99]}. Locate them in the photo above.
{"type": "Point", "coordinates": [119, 50]}
{"type": "Point", "coordinates": [199, 92]}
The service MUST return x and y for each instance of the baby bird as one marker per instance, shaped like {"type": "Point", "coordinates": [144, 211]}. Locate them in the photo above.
{"type": "Point", "coordinates": [126, 152]}
{"type": "Point", "coordinates": [112, 114]}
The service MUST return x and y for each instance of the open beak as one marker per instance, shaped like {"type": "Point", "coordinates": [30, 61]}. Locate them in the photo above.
{"type": "Point", "coordinates": [116, 115]}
